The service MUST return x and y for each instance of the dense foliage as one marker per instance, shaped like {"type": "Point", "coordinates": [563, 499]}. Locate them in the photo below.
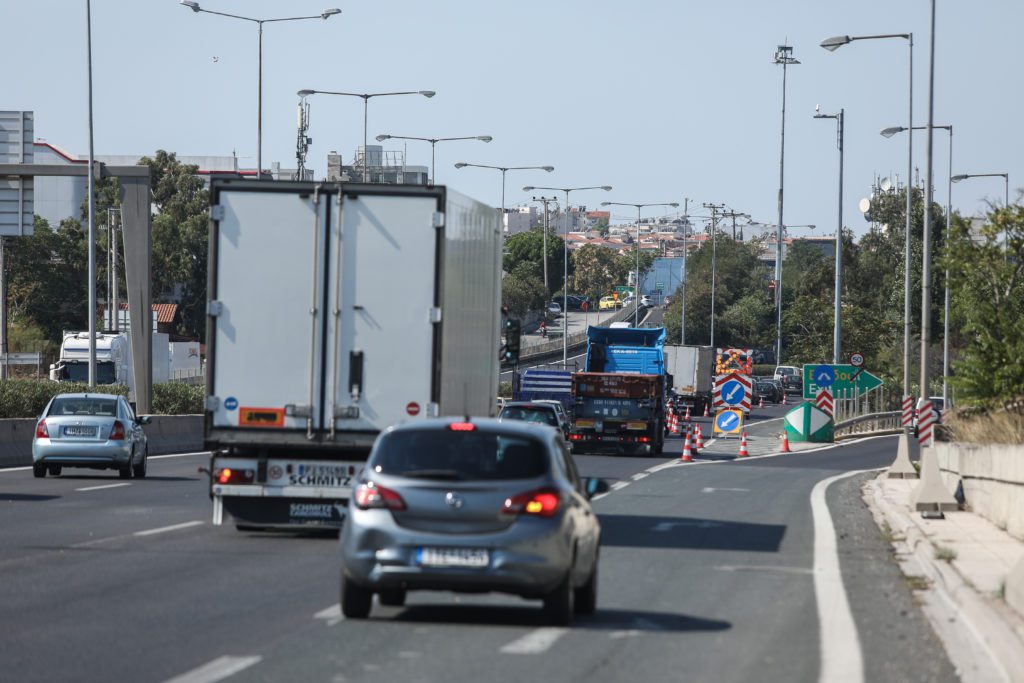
{"type": "Point", "coordinates": [28, 398]}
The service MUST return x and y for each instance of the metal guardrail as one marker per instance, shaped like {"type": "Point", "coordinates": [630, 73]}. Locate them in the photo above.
{"type": "Point", "coordinates": [872, 423]}
{"type": "Point", "coordinates": [551, 346]}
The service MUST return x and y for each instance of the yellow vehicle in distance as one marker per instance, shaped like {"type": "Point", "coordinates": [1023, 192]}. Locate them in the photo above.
{"type": "Point", "coordinates": [608, 303]}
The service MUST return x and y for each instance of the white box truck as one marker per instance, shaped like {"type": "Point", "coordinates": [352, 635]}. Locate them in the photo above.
{"type": "Point", "coordinates": [691, 371]}
{"type": "Point", "coordinates": [113, 360]}
{"type": "Point", "coordinates": [335, 311]}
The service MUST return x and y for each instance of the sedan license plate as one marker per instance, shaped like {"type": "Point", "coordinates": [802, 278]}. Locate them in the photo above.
{"type": "Point", "coordinates": [79, 431]}
{"type": "Point", "coordinates": [475, 558]}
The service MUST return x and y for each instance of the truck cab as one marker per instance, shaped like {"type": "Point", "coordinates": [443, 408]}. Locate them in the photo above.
{"type": "Point", "coordinates": [113, 359]}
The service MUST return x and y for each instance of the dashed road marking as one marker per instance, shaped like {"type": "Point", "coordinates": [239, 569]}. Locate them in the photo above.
{"type": "Point", "coordinates": [217, 670]}
{"type": "Point", "coordinates": [535, 642]}
{"type": "Point", "coordinates": [104, 486]}
{"type": "Point", "coordinates": [173, 527]}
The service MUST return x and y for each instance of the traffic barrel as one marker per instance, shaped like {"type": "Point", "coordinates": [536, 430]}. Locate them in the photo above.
{"type": "Point", "coordinates": [743, 446]}
{"type": "Point", "coordinates": [785, 443]}
{"type": "Point", "coordinates": [687, 452]}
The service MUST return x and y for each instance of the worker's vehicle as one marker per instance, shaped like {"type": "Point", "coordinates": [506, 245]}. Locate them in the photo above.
{"type": "Point", "coordinates": [689, 370]}
{"type": "Point", "coordinates": [471, 506]}
{"type": "Point", "coordinates": [97, 431]}
{"type": "Point", "coordinates": [620, 398]}
{"type": "Point", "coordinates": [335, 311]}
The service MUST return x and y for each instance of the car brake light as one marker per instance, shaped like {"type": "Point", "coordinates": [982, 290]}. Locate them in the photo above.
{"type": "Point", "coordinates": [462, 426]}
{"type": "Point", "coordinates": [41, 431]}
{"type": "Point", "coordinates": [117, 431]}
{"type": "Point", "coordinates": [370, 495]}
{"type": "Point", "coordinates": [226, 475]}
{"type": "Point", "coordinates": [542, 502]}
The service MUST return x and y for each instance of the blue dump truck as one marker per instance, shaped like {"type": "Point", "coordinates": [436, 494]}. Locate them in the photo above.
{"type": "Point", "coordinates": [619, 400]}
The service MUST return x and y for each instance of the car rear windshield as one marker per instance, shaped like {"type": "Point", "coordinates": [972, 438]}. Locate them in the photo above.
{"type": "Point", "coordinates": [545, 416]}
{"type": "Point", "coordinates": [101, 407]}
{"type": "Point", "coordinates": [459, 456]}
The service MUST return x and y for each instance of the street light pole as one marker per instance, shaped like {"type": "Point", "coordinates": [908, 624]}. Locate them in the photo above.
{"type": "Point", "coordinates": [837, 328]}
{"type": "Point", "coordinates": [926, 267]}
{"type": "Point", "coordinates": [783, 56]}
{"type": "Point", "coordinates": [327, 13]}
{"type": "Point", "coordinates": [565, 259]}
{"type": "Point", "coordinates": [92, 209]}
{"type": "Point", "coordinates": [366, 109]}
{"type": "Point", "coordinates": [636, 292]}
{"type": "Point", "coordinates": [504, 170]}
{"type": "Point", "coordinates": [545, 201]}
{"type": "Point", "coordinates": [833, 44]}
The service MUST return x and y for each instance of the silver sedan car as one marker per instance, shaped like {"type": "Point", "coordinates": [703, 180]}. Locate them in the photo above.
{"type": "Point", "coordinates": [99, 431]}
{"type": "Point", "coordinates": [472, 506]}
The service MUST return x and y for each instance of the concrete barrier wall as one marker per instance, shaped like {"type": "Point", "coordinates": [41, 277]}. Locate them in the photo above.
{"type": "Point", "coordinates": [993, 480]}
{"type": "Point", "coordinates": [166, 434]}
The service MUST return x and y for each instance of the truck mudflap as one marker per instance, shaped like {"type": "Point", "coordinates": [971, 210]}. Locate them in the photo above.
{"type": "Point", "coordinates": [281, 511]}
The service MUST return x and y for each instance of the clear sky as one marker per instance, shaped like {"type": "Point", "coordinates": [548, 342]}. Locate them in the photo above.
{"type": "Point", "coordinates": [663, 99]}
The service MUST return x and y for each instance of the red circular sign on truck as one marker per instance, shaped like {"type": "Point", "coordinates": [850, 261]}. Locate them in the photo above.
{"type": "Point", "coordinates": [412, 408]}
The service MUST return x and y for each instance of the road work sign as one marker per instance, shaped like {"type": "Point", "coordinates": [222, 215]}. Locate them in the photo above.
{"type": "Point", "coordinates": [729, 421]}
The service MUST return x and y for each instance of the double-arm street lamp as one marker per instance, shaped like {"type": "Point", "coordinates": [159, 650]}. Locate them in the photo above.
{"type": "Point", "coordinates": [565, 259]}
{"type": "Point", "coordinates": [838, 327]}
{"type": "Point", "coordinates": [636, 293]}
{"type": "Point", "coordinates": [366, 106]}
{"type": "Point", "coordinates": [833, 44]}
{"type": "Point", "coordinates": [504, 170]}
{"type": "Point", "coordinates": [326, 14]}
{"type": "Point", "coordinates": [433, 143]}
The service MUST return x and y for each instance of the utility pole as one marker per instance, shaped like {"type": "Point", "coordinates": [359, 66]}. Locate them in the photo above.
{"type": "Point", "coordinates": [715, 208]}
{"type": "Point", "coordinates": [685, 275]}
{"type": "Point", "coordinates": [546, 200]}
{"type": "Point", "coordinates": [734, 215]}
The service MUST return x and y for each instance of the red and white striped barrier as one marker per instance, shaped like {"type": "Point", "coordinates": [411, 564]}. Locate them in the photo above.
{"type": "Point", "coordinates": [908, 411]}
{"type": "Point", "coordinates": [926, 424]}
{"type": "Point", "coordinates": [824, 401]}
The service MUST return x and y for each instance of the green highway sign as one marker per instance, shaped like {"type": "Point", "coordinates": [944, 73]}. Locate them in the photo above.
{"type": "Point", "coordinates": [838, 378]}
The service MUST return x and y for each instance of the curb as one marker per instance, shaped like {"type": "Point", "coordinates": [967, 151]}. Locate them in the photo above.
{"type": "Point", "coordinates": [983, 636]}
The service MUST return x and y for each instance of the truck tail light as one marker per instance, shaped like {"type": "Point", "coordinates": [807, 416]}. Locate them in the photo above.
{"type": "Point", "coordinates": [226, 475]}
{"type": "Point", "coordinates": [117, 431]}
{"type": "Point", "coordinates": [41, 431]}
{"type": "Point", "coordinates": [370, 495]}
{"type": "Point", "coordinates": [541, 502]}
{"type": "Point", "coordinates": [575, 437]}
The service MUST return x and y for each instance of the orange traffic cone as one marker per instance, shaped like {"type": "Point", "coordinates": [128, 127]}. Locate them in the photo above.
{"type": "Point", "coordinates": [699, 444]}
{"type": "Point", "coordinates": [743, 446]}
{"type": "Point", "coordinates": [706, 414]}
{"type": "Point", "coordinates": [785, 443]}
{"type": "Point", "coordinates": [687, 413]}
{"type": "Point", "coordinates": [674, 423]}
{"type": "Point", "coordinates": [760, 402]}
{"type": "Point", "coordinates": [783, 398]}
{"type": "Point", "coordinates": [687, 452]}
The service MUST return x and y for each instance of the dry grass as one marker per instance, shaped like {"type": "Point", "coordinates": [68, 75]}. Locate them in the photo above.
{"type": "Point", "coordinates": [1005, 425]}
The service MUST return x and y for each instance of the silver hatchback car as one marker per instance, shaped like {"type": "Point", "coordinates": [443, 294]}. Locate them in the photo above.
{"type": "Point", "coordinates": [472, 506]}
{"type": "Point", "coordinates": [99, 431]}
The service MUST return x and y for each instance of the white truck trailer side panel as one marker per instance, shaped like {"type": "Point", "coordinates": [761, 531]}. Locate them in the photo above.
{"type": "Point", "coordinates": [690, 367]}
{"type": "Point", "coordinates": [471, 305]}
{"type": "Point", "coordinates": [267, 247]}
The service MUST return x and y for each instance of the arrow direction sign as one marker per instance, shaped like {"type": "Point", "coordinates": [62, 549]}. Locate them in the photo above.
{"type": "Point", "coordinates": [845, 378]}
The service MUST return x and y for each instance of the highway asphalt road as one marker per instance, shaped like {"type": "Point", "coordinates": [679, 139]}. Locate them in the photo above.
{"type": "Point", "coordinates": [707, 574]}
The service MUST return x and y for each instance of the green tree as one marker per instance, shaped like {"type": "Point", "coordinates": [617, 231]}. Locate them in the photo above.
{"type": "Point", "coordinates": [179, 236]}
{"type": "Point", "coordinates": [528, 248]}
{"type": "Point", "coordinates": [987, 280]}
{"type": "Point", "coordinates": [596, 271]}
{"type": "Point", "coordinates": [522, 291]}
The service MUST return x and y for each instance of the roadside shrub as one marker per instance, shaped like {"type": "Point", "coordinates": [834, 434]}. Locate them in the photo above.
{"type": "Point", "coordinates": [178, 398]}
{"type": "Point", "coordinates": [764, 370]}
{"type": "Point", "coordinates": [28, 397]}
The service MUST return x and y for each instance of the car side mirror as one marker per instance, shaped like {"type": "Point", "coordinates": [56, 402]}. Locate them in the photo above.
{"type": "Point", "coordinates": [593, 486]}
{"type": "Point", "coordinates": [145, 419]}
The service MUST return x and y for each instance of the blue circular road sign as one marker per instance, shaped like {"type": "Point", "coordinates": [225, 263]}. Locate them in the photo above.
{"type": "Point", "coordinates": [231, 403]}
{"type": "Point", "coordinates": [733, 392]}
{"type": "Point", "coordinates": [726, 421]}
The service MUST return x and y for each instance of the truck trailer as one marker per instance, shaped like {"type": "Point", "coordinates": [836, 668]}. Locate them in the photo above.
{"type": "Point", "coordinates": [690, 375]}
{"type": "Point", "coordinates": [336, 310]}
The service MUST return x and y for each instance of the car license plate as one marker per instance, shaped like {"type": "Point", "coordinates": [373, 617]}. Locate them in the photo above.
{"type": "Point", "coordinates": [475, 558]}
{"type": "Point", "coordinates": [79, 431]}
{"type": "Point", "coordinates": [609, 438]}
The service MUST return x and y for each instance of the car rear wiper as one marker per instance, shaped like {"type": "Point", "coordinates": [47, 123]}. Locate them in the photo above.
{"type": "Point", "coordinates": [450, 475]}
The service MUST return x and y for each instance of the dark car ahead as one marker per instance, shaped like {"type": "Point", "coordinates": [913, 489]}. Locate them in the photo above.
{"type": "Point", "coordinates": [471, 506]}
{"type": "Point", "coordinates": [769, 391]}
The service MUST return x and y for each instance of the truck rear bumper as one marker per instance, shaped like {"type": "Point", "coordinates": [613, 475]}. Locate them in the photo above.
{"type": "Point", "coordinates": [282, 511]}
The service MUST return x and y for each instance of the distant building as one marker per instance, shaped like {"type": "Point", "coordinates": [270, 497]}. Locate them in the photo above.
{"type": "Point", "coordinates": [523, 218]}
{"type": "Point", "coordinates": [380, 166]}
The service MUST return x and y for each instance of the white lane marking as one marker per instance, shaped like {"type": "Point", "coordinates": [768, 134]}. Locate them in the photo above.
{"type": "Point", "coordinates": [173, 527]}
{"type": "Point", "coordinates": [104, 486]}
{"type": "Point", "coordinates": [639, 475]}
{"type": "Point", "coordinates": [177, 455]}
{"type": "Point", "coordinates": [668, 526]}
{"type": "Point", "coordinates": [714, 489]}
{"type": "Point", "coordinates": [217, 670]}
{"type": "Point", "coordinates": [331, 615]}
{"type": "Point", "coordinates": [763, 568]}
{"type": "Point", "coordinates": [841, 657]}
{"type": "Point", "coordinates": [535, 642]}
{"type": "Point", "coordinates": [15, 469]}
